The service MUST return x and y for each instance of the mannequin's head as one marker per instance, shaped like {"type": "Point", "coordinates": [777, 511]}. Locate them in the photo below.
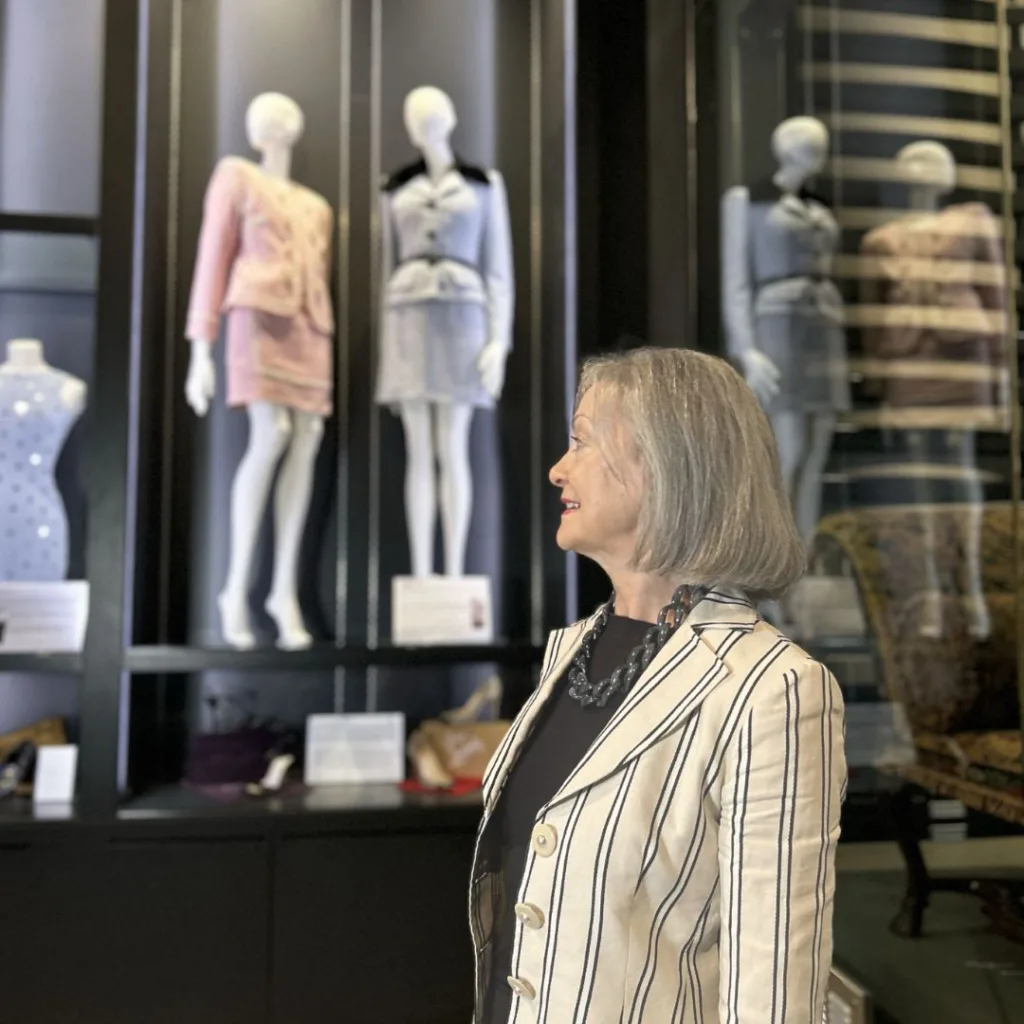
{"type": "Point", "coordinates": [800, 145]}
{"type": "Point", "coordinates": [272, 121]}
{"type": "Point", "coordinates": [429, 116]}
{"type": "Point", "coordinates": [928, 165]}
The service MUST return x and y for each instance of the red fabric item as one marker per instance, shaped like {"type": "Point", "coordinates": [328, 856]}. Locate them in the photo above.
{"type": "Point", "coordinates": [458, 788]}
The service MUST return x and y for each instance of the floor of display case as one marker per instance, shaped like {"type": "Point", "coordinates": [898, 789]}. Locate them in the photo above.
{"type": "Point", "coordinates": [172, 659]}
{"type": "Point", "coordinates": [365, 802]}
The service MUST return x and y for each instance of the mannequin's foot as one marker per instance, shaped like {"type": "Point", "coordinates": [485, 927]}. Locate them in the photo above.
{"type": "Point", "coordinates": [292, 634]}
{"type": "Point", "coordinates": [235, 626]}
{"type": "Point", "coordinates": [930, 624]}
{"type": "Point", "coordinates": [979, 624]}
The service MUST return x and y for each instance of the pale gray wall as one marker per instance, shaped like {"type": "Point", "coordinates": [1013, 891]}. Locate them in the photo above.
{"type": "Point", "coordinates": [51, 61]}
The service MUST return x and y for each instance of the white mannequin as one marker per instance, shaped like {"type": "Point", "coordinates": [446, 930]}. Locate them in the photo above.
{"type": "Point", "coordinates": [800, 145]}
{"type": "Point", "coordinates": [274, 123]}
{"type": "Point", "coordinates": [440, 431]}
{"type": "Point", "coordinates": [930, 170]}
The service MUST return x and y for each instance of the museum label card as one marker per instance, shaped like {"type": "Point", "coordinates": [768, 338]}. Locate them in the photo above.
{"type": "Point", "coordinates": [441, 610]}
{"type": "Point", "coordinates": [355, 749]}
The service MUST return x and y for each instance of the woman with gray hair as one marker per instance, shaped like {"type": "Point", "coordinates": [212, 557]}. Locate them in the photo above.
{"type": "Point", "coordinates": [660, 825]}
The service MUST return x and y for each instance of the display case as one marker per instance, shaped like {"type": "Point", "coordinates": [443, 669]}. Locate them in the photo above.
{"type": "Point", "coordinates": [239, 532]}
{"type": "Point", "coordinates": [857, 260]}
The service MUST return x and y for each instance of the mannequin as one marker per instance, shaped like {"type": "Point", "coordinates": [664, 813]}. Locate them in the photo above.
{"type": "Point", "coordinates": [446, 326]}
{"type": "Point", "coordinates": [38, 407]}
{"type": "Point", "coordinates": [933, 336]}
{"type": "Point", "coordinates": [782, 315]}
{"type": "Point", "coordinates": [263, 258]}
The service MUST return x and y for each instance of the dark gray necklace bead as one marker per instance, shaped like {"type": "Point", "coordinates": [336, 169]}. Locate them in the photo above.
{"type": "Point", "coordinates": [598, 693]}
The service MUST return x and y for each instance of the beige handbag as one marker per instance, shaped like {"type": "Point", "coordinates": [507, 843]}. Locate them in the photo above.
{"type": "Point", "coordinates": [456, 748]}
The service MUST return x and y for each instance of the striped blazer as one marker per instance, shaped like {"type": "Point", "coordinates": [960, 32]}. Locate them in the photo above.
{"type": "Point", "coordinates": [684, 873]}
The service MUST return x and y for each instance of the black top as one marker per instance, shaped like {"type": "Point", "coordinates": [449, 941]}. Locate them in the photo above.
{"type": "Point", "coordinates": [561, 735]}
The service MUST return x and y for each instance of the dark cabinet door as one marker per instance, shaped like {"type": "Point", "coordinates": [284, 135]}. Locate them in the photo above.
{"type": "Point", "coordinates": [373, 930]}
{"type": "Point", "coordinates": [125, 933]}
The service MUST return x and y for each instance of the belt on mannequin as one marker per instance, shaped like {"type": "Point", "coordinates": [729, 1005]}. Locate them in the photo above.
{"type": "Point", "coordinates": [816, 278]}
{"type": "Point", "coordinates": [438, 257]}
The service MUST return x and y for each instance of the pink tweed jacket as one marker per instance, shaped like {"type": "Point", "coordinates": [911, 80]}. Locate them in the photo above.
{"type": "Point", "coordinates": [265, 244]}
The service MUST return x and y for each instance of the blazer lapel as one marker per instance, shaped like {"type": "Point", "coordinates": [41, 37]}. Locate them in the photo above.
{"type": "Point", "coordinates": [561, 647]}
{"type": "Point", "coordinates": [672, 687]}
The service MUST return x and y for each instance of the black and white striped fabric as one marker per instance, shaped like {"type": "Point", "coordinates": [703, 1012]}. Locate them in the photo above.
{"type": "Point", "coordinates": [684, 873]}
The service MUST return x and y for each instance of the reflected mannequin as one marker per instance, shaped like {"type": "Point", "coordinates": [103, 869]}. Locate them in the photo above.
{"type": "Point", "coordinates": [783, 315]}
{"type": "Point", "coordinates": [966, 233]}
{"type": "Point", "coordinates": [446, 325]}
{"type": "Point", "coordinates": [278, 352]}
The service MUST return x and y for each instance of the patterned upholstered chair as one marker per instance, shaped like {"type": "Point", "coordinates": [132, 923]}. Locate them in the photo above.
{"type": "Point", "coordinates": [960, 692]}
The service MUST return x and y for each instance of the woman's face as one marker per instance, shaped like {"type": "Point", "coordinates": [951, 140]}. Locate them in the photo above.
{"type": "Point", "coordinates": [601, 483]}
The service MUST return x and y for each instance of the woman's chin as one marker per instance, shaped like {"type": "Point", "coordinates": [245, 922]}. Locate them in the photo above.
{"type": "Point", "coordinates": [564, 539]}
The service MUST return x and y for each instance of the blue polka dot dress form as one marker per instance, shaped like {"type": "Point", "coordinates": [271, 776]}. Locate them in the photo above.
{"type": "Point", "coordinates": [34, 423]}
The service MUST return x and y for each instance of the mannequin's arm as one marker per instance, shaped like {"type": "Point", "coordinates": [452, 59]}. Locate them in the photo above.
{"type": "Point", "coordinates": [993, 297]}
{"type": "Point", "coordinates": [737, 290]}
{"type": "Point", "coordinates": [499, 279]}
{"type": "Point", "coordinates": [218, 247]}
{"type": "Point", "coordinates": [499, 275]}
{"type": "Point", "coordinates": [738, 297]}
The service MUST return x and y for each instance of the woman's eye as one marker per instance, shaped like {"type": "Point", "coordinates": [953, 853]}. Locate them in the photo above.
{"type": "Point", "coordinates": [574, 441]}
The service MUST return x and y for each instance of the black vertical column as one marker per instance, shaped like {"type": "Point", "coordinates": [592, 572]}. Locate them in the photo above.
{"type": "Point", "coordinates": [671, 205]}
{"type": "Point", "coordinates": [553, 331]}
{"type": "Point", "coordinates": [108, 478]}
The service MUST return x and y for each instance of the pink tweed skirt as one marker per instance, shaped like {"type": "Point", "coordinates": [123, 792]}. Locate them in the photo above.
{"type": "Point", "coordinates": [279, 359]}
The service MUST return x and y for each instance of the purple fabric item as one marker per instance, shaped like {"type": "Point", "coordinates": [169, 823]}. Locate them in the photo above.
{"type": "Point", "coordinates": [239, 756]}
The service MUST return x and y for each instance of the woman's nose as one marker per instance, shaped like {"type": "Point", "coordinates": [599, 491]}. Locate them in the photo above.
{"type": "Point", "coordinates": [557, 474]}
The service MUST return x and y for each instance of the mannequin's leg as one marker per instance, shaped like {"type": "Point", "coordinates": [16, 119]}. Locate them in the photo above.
{"type": "Point", "coordinates": [979, 624]}
{"type": "Point", "coordinates": [420, 486]}
{"type": "Point", "coordinates": [807, 491]}
{"type": "Point", "coordinates": [453, 422]}
{"type": "Point", "coordinates": [269, 430]}
{"type": "Point", "coordinates": [931, 622]}
{"type": "Point", "coordinates": [291, 505]}
{"type": "Point", "coordinates": [790, 428]}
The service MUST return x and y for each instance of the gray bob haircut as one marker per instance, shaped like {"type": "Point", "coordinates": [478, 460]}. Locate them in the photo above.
{"type": "Point", "coordinates": [714, 509]}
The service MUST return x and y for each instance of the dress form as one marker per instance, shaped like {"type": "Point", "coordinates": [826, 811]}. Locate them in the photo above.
{"type": "Point", "coordinates": [438, 432]}
{"type": "Point", "coordinates": [800, 146]}
{"type": "Point", "coordinates": [277, 435]}
{"type": "Point", "coordinates": [38, 406]}
{"type": "Point", "coordinates": [930, 169]}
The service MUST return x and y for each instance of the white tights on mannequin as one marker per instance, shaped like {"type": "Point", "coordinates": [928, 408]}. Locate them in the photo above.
{"type": "Point", "coordinates": [804, 441]}
{"type": "Point", "coordinates": [274, 431]}
{"type": "Point", "coordinates": [437, 434]}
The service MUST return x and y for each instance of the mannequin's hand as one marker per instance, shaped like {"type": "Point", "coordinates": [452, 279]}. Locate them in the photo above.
{"type": "Point", "coordinates": [761, 374]}
{"type": "Point", "coordinates": [491, 364]}
{"type": "Point", "coordinates": [201, 383]}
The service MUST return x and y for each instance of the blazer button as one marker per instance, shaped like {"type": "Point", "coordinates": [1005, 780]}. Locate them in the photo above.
{"type": "Point", "coordinates": [521, 987]}
{"type": "Point", "coordinates": [545, 839]}
{"type": "Point", "coordinates": [531, 916]}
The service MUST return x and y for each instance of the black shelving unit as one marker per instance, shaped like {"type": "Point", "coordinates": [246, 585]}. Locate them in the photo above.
{"type": "Point", "coordinates": [254, 901]}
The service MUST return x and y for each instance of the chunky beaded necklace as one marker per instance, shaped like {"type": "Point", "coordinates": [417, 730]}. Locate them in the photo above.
{"type": "Point", "coordinates": [589, 692]}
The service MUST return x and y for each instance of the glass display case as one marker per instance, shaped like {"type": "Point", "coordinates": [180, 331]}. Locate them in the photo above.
{"type": "Point", "coordinates": [860, 268]}
{"type": "Point", "coordinates": [354, 366]}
